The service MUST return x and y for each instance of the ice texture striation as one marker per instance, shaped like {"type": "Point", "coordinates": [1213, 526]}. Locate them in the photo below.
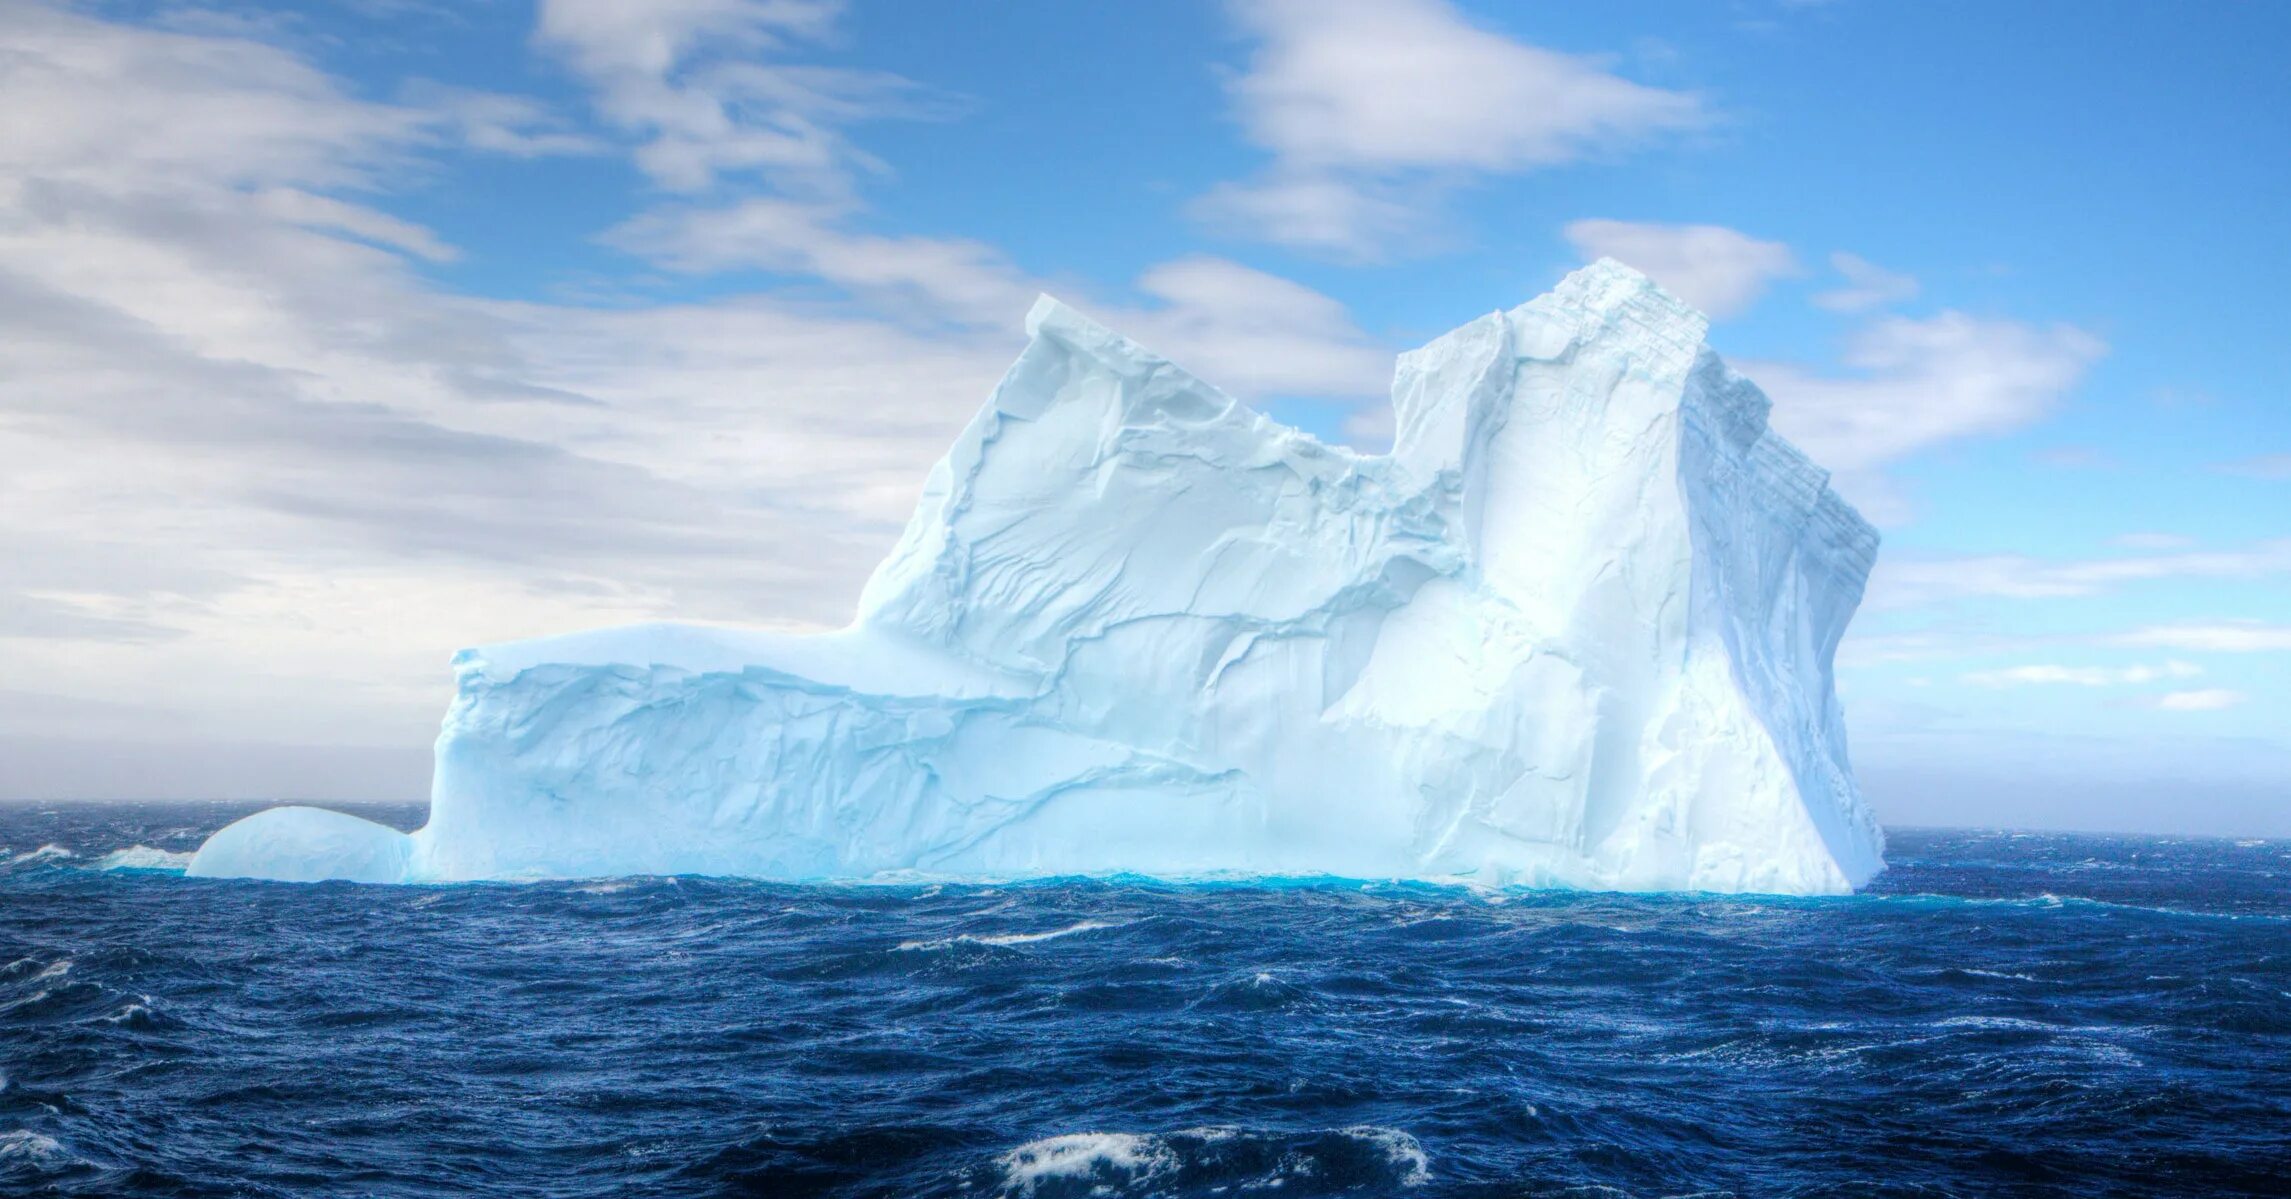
{"type": "Point", "coordinates": [1575, 629]}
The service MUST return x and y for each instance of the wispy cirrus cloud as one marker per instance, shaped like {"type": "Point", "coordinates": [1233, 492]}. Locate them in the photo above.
{"type": "Point", "coordinates": [1916, 382]}
{"type": "Point", "coordinates": [1906, 582]}
{"type": "Point", "coordinates": [2261, 466]}
{"type": "Point", "coordinates": [2041, 674]}
{"type": "Point", "coordinates": [708, 89]}
{"type": "Point", "coordinates": [260, 463]}
{"type": "Point", "coordinates": [2209, 699]}
{"type": "Point", "coordinates": [2224, 637]}
{"type": "Point", "coordinates": [1867, 285]}
{"type": "Point", "coordinates": [2152, 541]}
{"type": "Point", "coordinates": [1719, 270]}
{"type": "Point", "coordinates": [1242, 329]}
{"type": "Point", "coordinates": [1913, 383]}
{"type": "Point", "coordinates": [1373, 110]}
{"type": "Point", "coordinates": [1908, 383]}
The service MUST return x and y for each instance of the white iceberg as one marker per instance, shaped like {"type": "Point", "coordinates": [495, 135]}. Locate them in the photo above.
{"type": "Point", "coordinates": [1575, 629]}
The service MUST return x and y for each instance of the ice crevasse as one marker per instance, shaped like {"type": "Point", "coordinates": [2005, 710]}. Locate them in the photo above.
{"type": "Point", "coordinates": [1575, 629]}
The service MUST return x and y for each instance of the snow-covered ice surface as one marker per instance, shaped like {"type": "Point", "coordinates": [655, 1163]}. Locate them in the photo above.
{"type": "Point", "coordinates": [1575, 629]}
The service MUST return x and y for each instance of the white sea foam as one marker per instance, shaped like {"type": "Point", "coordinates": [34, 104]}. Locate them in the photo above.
{"type": "Point", "coordinates": [2012, 1022]}
{"type": "Point", "coordinates": [23, 1145]}
{"type": "Point", "coordinates": [45, 853]}
{"type": "Point", "coordinates": [1996, 974]}
{"type": "Point", "coordinates": [1009, 939]}
{"type": "Point", "coordinates": [144, 857]}
{"type": "Point", "coordinates": [1119, 1163]}
{"type": "Point", "coordinates": [130, 1012]}
{"type": "Point", "coordinates": [1411, 1167]}
{"type": "Point", "coordinates": [1107, 1157]}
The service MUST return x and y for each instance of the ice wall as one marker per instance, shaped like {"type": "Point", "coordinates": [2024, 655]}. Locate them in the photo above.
{"type": "Point", "coordinates": [1574, 630]}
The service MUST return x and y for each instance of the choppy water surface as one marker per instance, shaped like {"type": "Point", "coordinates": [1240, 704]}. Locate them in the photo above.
{"type": "Point", "coordinates": [2004, 1014]}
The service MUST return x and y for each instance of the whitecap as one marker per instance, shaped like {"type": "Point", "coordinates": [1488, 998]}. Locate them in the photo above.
{"type": "Point", "coordinates": [24, 1145]}
{"type": "Point", "coordinates": [1003, 940]}
{"type": "Point", "coordinates": [1201, 1159]}
{"type": "Point", "coordinates": [145, 857]}
{"type": "Point", "coordinates": [1411, 1166]}
{"type": "Point", "coordinates": [133, 1011]}
{"type": "Point", "coordinates": [1128, 1157]}
{"type": "Point", "coordinates": [2012, 1022]}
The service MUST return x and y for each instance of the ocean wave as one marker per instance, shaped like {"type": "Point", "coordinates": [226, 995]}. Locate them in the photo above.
{"type": "Point", "coordinates": [1365, 1158]}
{"type": "Point", "coordinates": [2048, 901]}
{"type": "Point", "coordinates": [145, 857]}
{"type": "Point", "coordinates": [1102, 1159]}
{"type": "Point", "coordinates": [1005, 940]}
{"type": "Point", "coordinates": [35, 969]}
{"type": "Point", "coordinates": [38, 1148]}
{"type": "Point", "coordinates": [1055, 1040]}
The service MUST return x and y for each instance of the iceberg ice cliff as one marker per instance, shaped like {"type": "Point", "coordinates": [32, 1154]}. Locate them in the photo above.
{"type": "Point", "coordinates": [1575, 629]}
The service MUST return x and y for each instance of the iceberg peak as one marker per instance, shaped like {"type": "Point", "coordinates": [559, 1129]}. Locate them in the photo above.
{"type": "Point", "coordinates": [1574, 629]}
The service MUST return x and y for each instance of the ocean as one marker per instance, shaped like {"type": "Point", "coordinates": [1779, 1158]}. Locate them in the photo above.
{"type": "Point", "coordinates": [2002, 1014]}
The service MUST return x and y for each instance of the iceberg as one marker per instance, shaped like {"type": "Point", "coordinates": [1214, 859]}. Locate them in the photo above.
{"type": "Point", "coordinates": [1574, 630]}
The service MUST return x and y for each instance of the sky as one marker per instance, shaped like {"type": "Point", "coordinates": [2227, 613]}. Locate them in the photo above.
{"type": "Point", "coordinates": [334, 338]}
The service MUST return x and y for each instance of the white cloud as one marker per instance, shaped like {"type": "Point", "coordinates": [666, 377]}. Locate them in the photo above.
{"type": "Point", "coordinates": [2231, 637]}
{"type": "Point", "coordinates": [1719, 270]}
{"type": "Point", "coordinates": [2152, 541]}
{"type": "Point", "coordinates": [512, 126]}
{"type": "Point", "coordinates": [1241, 329]}
{"type": "Point", "coordinates": [1372, 108]}
{"type": "Point", "coordinates": [688, 77]}
{"type": "Point", "coordinates": [86, 104]}
{"type": "Point", "coordinates": [2082, 676]}
{"type": "Point", "coordinates": [1255, 334]}
{"type": "Point", "coordinates": [2208, 700]}
{"type": "Point", "coordinates": [259, 478]}
{"type": "Point", "coordinates": [324, 212]}
{"type": "Point", "coordinates": [1862, 647]}
{"type": "Point", "coordinates": [1350, 218]}
{"type": "Point", "coordinates": [956, 279]}
{"type": "Point", "coordinates": [91, 104]}
{"type": "Point", "coordinates": [1904, 582]}
{"type": "Point", "coordinates": [1867, 285]}
{"type": "Point", "coordinates": [2263, 466]}
{"type": "Point", "coordinates": [1921, 383]}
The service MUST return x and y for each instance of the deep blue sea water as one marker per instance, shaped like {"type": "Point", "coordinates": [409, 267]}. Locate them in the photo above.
{"type": "Point", "coordinates": [2004, 1014]}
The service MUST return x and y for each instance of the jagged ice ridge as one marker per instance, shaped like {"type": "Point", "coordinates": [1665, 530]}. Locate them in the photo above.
{"type": "Point", "coordinates": [1575, 629]}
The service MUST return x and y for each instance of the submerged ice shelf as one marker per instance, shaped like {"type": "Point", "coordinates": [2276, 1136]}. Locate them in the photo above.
{"type": "Point", "coordinates": [1575, 629]}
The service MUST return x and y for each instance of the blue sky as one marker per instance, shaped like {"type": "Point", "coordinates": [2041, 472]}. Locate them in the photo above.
{"type": "Point", "coordinates": [342, 337]}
